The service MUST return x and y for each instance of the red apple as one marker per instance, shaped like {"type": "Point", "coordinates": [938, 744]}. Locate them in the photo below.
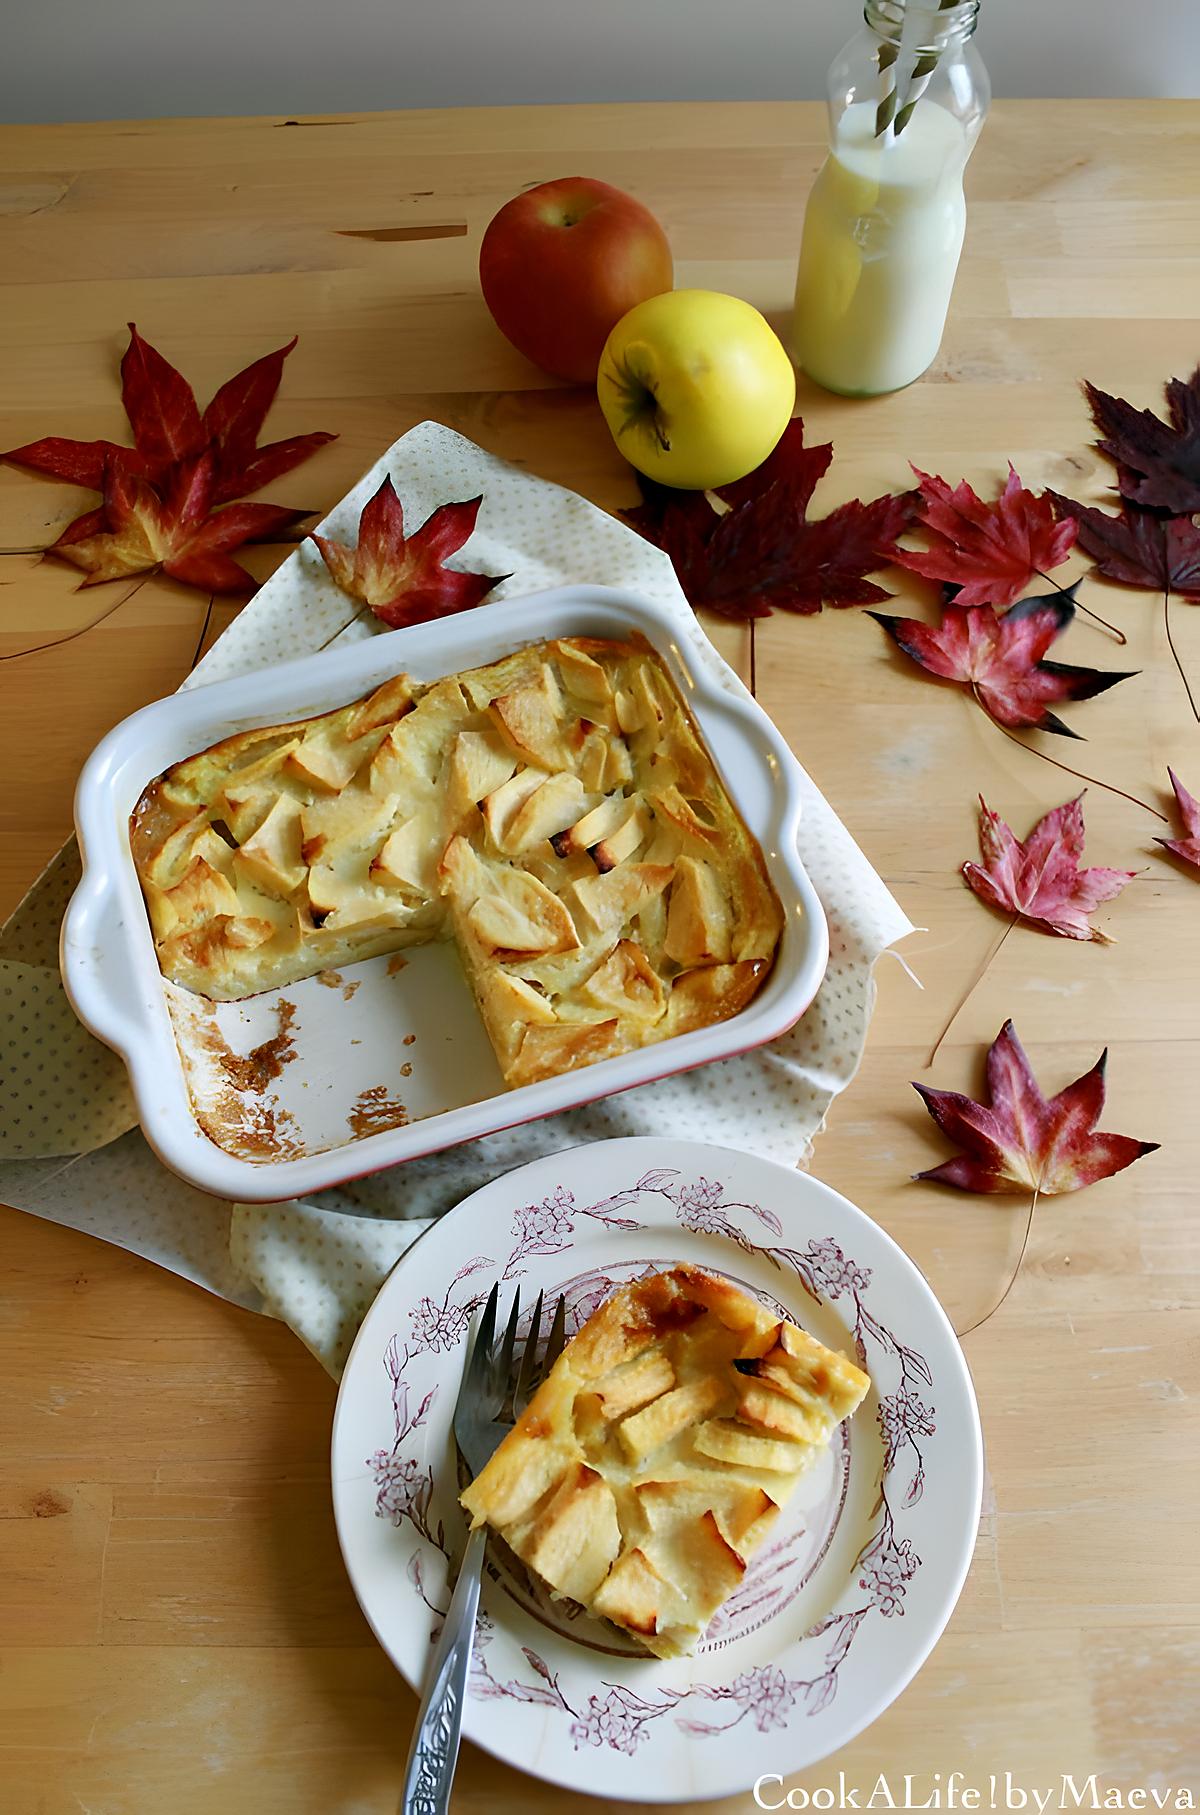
{"type": "Point", "coordinates": [560, 265]}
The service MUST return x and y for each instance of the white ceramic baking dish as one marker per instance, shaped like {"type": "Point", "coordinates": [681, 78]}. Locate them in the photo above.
{"type": "Point", "coordinates": [385, 1062]}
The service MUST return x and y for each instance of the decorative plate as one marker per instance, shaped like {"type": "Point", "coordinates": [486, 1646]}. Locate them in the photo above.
{"type": "Point", "coordinates": [838, 1610]}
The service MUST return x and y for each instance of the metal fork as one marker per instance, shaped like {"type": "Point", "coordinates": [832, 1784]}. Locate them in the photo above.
{"type": "Point", "coordinates": [488, 1405]}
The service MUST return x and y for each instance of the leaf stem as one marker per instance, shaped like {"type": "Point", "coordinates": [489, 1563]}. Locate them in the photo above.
{"type": "Point", "coordinates": [203, 632]}
{"type": "Point", "coordinates": [1093, 780]}
{"type": "Point", "coordinates": [15, 655]}
{"type": "Point", "coordinates": [1187, 686]}
{"type": "Point", "coordinates": [362, 610]}
{"type": "Point", "coordinates": [1012, 1278]}
{"type": "Point", "coordinates": [1114, 632]}
{"type": "Point", "coordinates": [992, 952]}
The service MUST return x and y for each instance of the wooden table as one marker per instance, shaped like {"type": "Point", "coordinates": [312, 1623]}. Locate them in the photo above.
{"type": "Point", "coordinates": [177, 1629]}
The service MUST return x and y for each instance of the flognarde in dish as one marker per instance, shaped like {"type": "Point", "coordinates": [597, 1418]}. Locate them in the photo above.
{"type": "Point", "coordinates": [554, 812]}
{"type": "Point", "coordinates": [653, 1459]}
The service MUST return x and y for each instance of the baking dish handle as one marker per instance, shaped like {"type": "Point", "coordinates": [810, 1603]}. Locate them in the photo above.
{"type": "Point", "coordinates": [95, 976]}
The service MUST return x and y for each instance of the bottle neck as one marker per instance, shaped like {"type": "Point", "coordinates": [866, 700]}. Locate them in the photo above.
{"type": "Point", "coordinates": [927, 28]}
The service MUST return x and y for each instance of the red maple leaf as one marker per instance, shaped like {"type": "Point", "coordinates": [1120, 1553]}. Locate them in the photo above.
{"type": "Point", "coordinates": [1017, 1141]}
{"type": "Point", "coordinates": [168, 428]}
{"type": "Point", "coordinates": [1039, 877]}
{"type": "Point", "coordinates": [1188, 847]}
{"type": "Point", "coordinates": [1001, 659]}
{"type": "Point", "coordinates": [402, 578]}
{"type": "Point", "coordinates": [990, 551]}
{"type": "Point", "coordinates": [764, 552]}
{"type": "Point", "coordinates": [142, 527]}
{"type": "Point", "coordinates": [789, 463]}
{"type": "Point", "coordinates": [1159, 461]}
{"type": "Point", "coordinates": [1138, 548]}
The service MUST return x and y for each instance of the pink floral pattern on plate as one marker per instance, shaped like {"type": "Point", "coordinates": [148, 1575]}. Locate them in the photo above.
{"type": "Point", "coordinates": [617, 1717]}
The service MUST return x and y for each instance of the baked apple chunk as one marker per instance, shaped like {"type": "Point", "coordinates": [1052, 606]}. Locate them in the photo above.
{"type": "Point", "coordinates": [553, 813]}
{"type": "Point", "coordinates": [652, 1461]}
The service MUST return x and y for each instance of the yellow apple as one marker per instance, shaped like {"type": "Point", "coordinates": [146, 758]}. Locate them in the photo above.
{"type": "Point", "coordinates": [696, 388]}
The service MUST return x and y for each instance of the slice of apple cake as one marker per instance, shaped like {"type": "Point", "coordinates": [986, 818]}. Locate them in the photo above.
{"type": "Point", "coordinates": [650, 1464]}
{"type": "Point", "coordinates": [555, 813]}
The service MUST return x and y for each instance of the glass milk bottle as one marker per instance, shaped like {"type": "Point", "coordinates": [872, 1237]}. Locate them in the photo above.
{"type": "Point", "coordinates": [884, 225]}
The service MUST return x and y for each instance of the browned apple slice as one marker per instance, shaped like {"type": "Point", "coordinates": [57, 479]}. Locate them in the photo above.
{"type": "Point", "coordinates": [325, 762]}
{"type": "Point", "coordinates": [573, 1542]}
{"type": "Point", "coordinates": [713, 992]}
{"type": "Point", "coordinates": [627, 982]}
{"type": "Point", "coordinates": [503, 803]}
{"type": "Point", "coordinates": [512, 998]}
{"type": "Point", "coordinates": [409, 855]}
{"type": "Point", "coordinates": [546, 1052]}
{"type": "Point", "coordinates": [545, 813]}
{"type": "Point", "coordinates": [479, 762]}
{"type": "Point", "coordinates": [602, 819]}
{"type": "Point", "coordinates": [388, 702]}
{"type": "Point", "coordinates": [201, 893]}
{"type": "Point", "coordinates": [777, 1416]}
{"type": "Point", "coordinates": [634, 1595]}
{"type": "Point", "coordinates": [517, 913]}
{"type": "Point", "coordinates": [271, 857]}
{"type": "Point", "coordinates": [533, 719]}
{"type": "Point", "coordinates": [582, 673]}
{"type": "Point", "coordinates": [636, 1384]}
{"type": "Point", "coordinates": [608, 902]}
{"type": "Point", "coordinates": [727, 1442]}
{"type": "Point", "coordinates": [698, 928]}
{"type": "Point", "coordinates": [664, 1418]}
{"type": "Point", "coordinates": [627, 838]}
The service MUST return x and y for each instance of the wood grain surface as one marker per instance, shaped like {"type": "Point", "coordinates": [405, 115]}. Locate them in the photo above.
{"type": "Point", "coordinates": [176, 1630]}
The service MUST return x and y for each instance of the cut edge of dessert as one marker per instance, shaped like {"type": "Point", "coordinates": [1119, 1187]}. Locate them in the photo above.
{"type": "Point", "coordinates": [654, 1458]}
{"type": "Point", "coordinates": [555, 813]}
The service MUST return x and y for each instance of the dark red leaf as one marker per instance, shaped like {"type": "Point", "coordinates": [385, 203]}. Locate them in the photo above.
{"type": "Point", "coordinates": [1159, 461]}
{"type": "Point", "coordinates": [990, 551]}
{"type": "Point", "coordinates": [1188, 847]}
{"type": "Point", "coordinates": [238, 410]}
{"type": "Point", "coordinates": [160, 404]}
{"type": "Point", "coordinates": [1001, 659]}
{"type": "Point", "coordinates": [1039, 877]}
{"type": "Point", "coordinates": [234, 419]}
{"type": "Point", "coordinates": [267, 463]}
{"type": "Point", "coordinates": [403, 578]}
{"type": "Point", "coordinates": [169, 431]}
{"type": "Point", "coordinates": [89, 524]}
{"type": "Point", "coordinates": [141, 528]}
{"type": "Point", "coordinates": [764, 553]}
{"type": "Point", "coordinates": [1137, 548]}
{"type": "Point", "coordinates": [1017, 1141]}
{"type": "Point", "coordinates": [78, 462]}
{"type": "Point", "coordinates": [789, 463]}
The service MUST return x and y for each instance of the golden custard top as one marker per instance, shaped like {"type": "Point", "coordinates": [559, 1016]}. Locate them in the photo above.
{"type": "Point", "coordinates": [652, 1461]}
{"type": "Point", "coordinates": [554, 812]}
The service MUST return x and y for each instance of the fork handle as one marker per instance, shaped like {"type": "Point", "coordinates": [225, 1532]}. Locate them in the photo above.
{"type": "Point", "coordinates": [434, 1750]}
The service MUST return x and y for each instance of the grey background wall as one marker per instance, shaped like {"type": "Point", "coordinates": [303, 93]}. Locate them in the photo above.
{"type": "Point", "coordinates": [113, 59]}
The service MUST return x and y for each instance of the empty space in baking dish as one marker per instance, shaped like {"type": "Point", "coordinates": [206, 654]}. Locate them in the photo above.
{"type": "Point", "coordinates": [334, 1058]}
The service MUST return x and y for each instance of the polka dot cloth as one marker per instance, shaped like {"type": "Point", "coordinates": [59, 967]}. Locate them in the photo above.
{"type": "Point", "coordinates": [68, 1147]}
